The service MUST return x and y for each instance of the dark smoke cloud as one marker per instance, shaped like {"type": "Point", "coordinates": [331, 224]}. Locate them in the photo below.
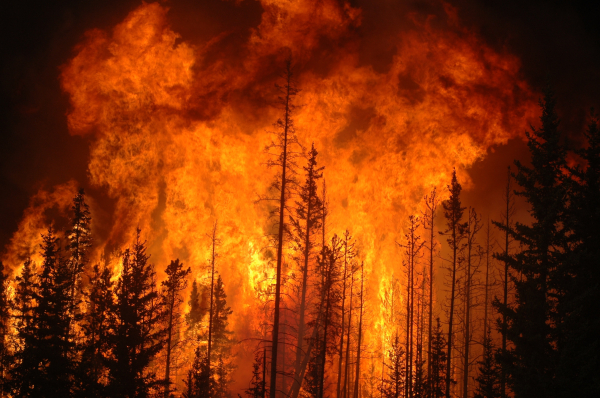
{"type": "Point", "coordinates": [557, 41]}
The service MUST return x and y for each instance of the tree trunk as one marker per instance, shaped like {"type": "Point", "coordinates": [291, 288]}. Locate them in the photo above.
{"type": "Point", "coordinates": [282, 200]}
{"type": "Point", "coordinates": [356, 379]}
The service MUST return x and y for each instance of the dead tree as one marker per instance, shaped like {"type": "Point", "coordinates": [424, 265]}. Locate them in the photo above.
{"type": "Point", "coordinates": [473, 227]}
{"type": "Point", "coordinates": [431, 205]}
{"type": "Point", "coordinates": [505, 225]}
{"type": "Point", "coordinates": [360, 321]}
{"type": "Point", "coordinates": [285, 139]}
{"type": "Point", "coordinates": [455, 232]}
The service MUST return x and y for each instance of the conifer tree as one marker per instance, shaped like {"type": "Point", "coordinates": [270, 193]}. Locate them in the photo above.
{"type": "Point", "coordinates": [393, 384]}
{"type": "Point", "coordinates": [196, 310]}
{"type": "Point", "coordinates": [257, 382]}
{"type": "Point", "coordinates": [221, 336]}
{"type": "Point", "coordinates": [200, 382]}
{"type": "Point", "coordinates": [453, 211]}
{"type": "Point", "coordinates": [437, 375]}
{"type": "Point", "coordinates": [23, 368]}
{"type": "Point", "coordinates": [505, 226]}
{"type": "Point", "coordinates": [4, 330]}
{"type": "Point", "coordinates": [534, 322]}
{"type": "Point", "coordinates": [579, 364]}
{"type": "Point", "coordinates": [285, 139]}
{"type": "Point", "coordinates": [138, 334]}
{"type": "Point", "coordinates": [97, 323]}
{"type": "Point", "coordinates": [488, 380]}
{"type": "Point", "coordinates": [172, 287]}
{"type": "Point", "coordinates": [306, 223]}
{"type": "Point", "coordinates": [431, 206]}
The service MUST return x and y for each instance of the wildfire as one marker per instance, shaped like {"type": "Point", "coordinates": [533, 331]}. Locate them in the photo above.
{"type": "Point", "coordinates": [177, 140]}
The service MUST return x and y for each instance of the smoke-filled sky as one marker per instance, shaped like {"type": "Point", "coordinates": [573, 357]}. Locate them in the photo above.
{"type": "Point", "coordinates": [556, 41]}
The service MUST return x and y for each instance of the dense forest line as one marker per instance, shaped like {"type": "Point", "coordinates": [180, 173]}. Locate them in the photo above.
{"type": "Point", "coordinates": [72, 328]}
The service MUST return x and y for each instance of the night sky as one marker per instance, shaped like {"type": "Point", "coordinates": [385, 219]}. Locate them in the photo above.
{"type": "Point", "coordinates": [557, 42]}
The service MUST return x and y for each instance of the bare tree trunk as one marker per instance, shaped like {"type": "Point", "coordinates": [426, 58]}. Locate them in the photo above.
{"type": "Point", "coordinates": [346, 370]}
{"type": "Point", "coordinates": [451, 316]}
{"type": "Point", "coordinates": [341, 350]}
{"type": "Point", "coordinates": [357, 377]}
{"type": "Point", "coordinates": [282, 201]}
{"type": "Point", "coordinates": [431, 203]}
{"type": "Point", "coordinates": [212, 292]}
{"type": "Point", "coordinates": [467, 309]}
{"type": "Point", "coordinates": [505, 297]}
{"type": "Point", "coordinates": [297, 383]}
{"type": "Point", "coordinates": [169, 334]}
{"type": "Point", "coordinates": [487, 281]}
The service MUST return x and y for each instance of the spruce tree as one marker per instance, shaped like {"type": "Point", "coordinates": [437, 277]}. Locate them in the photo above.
{"type": "Point", "coordinates": [437, 375]}
{"type": "Point", "coordinates": [305, 223]}
{"type": "Point", "coordinates": [4, 330]}
{"type": "Point", "coordinates": [24, 366]}
{"type": "Point", "coordinates": [196, 310]}
{"type": "Point", "coordinates": [257, 382]}
{"type": "Point", "coordinates": [138, 334]}
{"type": "Point", "coordinates": [96, 326]}
{"type": "Point", "coordinates": [534, 321]}
{"type": "Point", "coordinates": [453, 211]}
{"type": "Point", "coordinates": [172, 287]}
{"type": "Point", "coordinates": [394, 382]}
{"type": "Point", "coordinates": [579, 364]}
{"type": "Point", "coordinates": [488, 379]}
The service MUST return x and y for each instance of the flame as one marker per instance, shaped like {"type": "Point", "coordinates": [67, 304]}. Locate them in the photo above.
{"type": "Point", "coordinates": [177, 137]}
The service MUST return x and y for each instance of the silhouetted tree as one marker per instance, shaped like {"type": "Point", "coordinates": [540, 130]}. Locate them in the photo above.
{"type": "Point", "coordinates": [488, 380]}
{"type": "Point", "coordinates": [534, 322]}
{"type": "Point", "coordinates": [138, 334]}
{"type": "Point", "coordinates": [257, 382]}
{"type": "Point", "coordinates": [285, 139]}
{"type": "Point", "coordinates": [200, 382]}
{"type": "Point", "coordinates": [505, 226]}
{"type": "Point", "coordinates": [453, 211]}
{"type": "Point", "coordinates": [306, 223]}
{"type": "Point", "coordinates": [96, 327]}
{"type": "Point", "coordinates": [196, 310]}
{"type": "Point", "coordinates": [4, 329]}
{"type": "Point", "coordinates": [579, 364]}
{"type": "Point", "coordinates": [431, 205]}
{"type": "Point", "coordinates": [176, 282]}
{"type": "Point", "coordinates": [393, 382]}
{"type": "Point", "coordinates": [437, 376]}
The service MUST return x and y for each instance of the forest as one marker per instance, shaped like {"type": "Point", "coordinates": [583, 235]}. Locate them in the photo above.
{"type": "Point", "coordinates": [518, 317]}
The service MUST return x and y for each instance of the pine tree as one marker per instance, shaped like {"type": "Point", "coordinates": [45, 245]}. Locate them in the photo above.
{"type": "Point", "coordinates": [453, 211]}
{"type": "Point", "coordinates": [431, 205]}
{"type": "Point", "coordinates": [96, 326]}
{"type": "Point", "coordinates": [196, 310]}
{"type": "Point", "coordinates": [393, 384]}
{"type": "Point", "coordinates": [579, 364]}
{"type": "Point", "coordinates": [437, 375]}
{"type": "Point", "coordinates": [200, 382]}
{"type": "Point", "coordinates": [44, 367]}
{"type": "Point", "coordinates": [176, 282]}
{"type": "Point", "coordinates": [138, 335]}
{"type": "Point", "coordinates": [306, 223]}
{"type": "Point", "coordinates": [285, 139]}
{"type": "Point", "coordinates": [5, 359]}
{"type": "Point", "coordinates": [534, 322]}
{"type": "Point", "coordinates": [488, 380]}
{"type": "Point", "coordinates": [257, 383]}
{"type": "Point", "coordinates": [221, 337]}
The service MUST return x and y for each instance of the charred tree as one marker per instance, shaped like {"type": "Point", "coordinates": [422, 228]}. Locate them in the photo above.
{"type": "Point", "coordinates": [213, 257]}
{"type": "Point", "coordinates": [176, 282]}
{"type": "Point", "coordinates": [360, 324]}
{"type": "Point", "coordinates": [505, 226]}
{"type": "Point", "coordinates": [393, 383]}
{"type": "Point", "coordinates": [349, 254]}
{"type": "Point", "coordinates": [455, 231]}
{"type": "Point", "coordinates": [306, 223]}
{"type": "Point", "coordinates": [431, 205]}
{"type": "Point", "coordinates": [4, 329]}
{"type": "Point", "coordinates": [285, 138]}
{"type": "Point", "coordinates": [473, 228]}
